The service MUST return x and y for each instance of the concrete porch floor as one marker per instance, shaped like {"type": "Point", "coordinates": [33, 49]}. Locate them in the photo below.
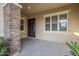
{"type": "Point", "coordinates": [43, 48]}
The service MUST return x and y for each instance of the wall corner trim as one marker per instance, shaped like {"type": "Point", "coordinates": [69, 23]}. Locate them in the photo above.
{"type": "Point", "coordinates": [14, 4]}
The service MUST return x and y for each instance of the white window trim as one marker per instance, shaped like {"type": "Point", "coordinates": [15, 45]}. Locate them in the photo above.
{"type": "Point", "coordinates": [58, 22]}
{"type": "Point", "coordinates": [53, 14]}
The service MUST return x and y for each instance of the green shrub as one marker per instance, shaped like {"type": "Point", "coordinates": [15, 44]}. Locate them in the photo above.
{"type": "Point", "coordinates": [2, 51]}
{"type": "Point", "coordinates": [2, 48]}
{"type": "Point", "coordinates": [1, 41]}
{"type": "Point", "coordinates": [74, 48]}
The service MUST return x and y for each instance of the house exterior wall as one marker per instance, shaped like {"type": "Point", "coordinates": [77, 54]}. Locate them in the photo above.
{"type": "Point", "coordinates": [24, 32]}
{"type": "Point", "coordinates": [73, 25]}
{"type": "Point", "coordinates": [1, 21]}
{"type": "Point", "coordinates": [73, 22]}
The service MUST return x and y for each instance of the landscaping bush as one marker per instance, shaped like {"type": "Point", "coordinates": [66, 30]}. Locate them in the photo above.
{"type": "Point", "coordinates": [1, 41]}
{"type": "Point", "coordinates": [3, 50]}
{"type": "Point", "coordinates": [74, 48]}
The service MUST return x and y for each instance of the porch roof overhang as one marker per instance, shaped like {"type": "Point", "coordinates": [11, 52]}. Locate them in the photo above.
{"type": "Point", "coordinates": [30, 9]}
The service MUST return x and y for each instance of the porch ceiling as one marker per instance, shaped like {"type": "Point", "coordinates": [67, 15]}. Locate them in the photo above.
{"type": "Point", "coordinates": [34, 8]}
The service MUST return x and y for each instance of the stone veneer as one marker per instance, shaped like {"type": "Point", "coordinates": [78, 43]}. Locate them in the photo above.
{"type": "Point", "coordinates": [12, 27]}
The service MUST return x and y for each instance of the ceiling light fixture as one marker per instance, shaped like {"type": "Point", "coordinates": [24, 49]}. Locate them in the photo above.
{"type": "Point", "coordinates": [29, 8]}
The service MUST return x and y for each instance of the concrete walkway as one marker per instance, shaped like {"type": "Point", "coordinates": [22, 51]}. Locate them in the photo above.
{"type": "Point", "coordinates": [43, 48]}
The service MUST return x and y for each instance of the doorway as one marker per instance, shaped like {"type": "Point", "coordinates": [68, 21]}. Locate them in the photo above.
{"type": "Point", "coordinates": [31, 27]}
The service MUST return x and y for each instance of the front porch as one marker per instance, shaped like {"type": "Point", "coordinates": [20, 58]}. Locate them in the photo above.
{"type": "Point", "coordinates": [49, 27]}
{"type": "Point", "coordinates": [35, 47]}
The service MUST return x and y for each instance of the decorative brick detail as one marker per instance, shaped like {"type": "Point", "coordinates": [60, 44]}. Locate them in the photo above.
{"type": "Point", "coordinates": [12, 27]}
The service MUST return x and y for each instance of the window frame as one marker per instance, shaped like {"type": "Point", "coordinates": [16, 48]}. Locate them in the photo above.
{"type": "Point", "coordinates": [22, 24]}
{"type": "Point", "coordinates": [59, 22]}
{"type": "Point", "coordinates": [46, 23]}
{"type": "Point", "coordinates": [54, 14]}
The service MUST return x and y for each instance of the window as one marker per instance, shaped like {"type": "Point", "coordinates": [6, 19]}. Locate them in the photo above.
{"type": "Point", "coordinates": [56, 22]}
{"type": "Point", "coordinates": [47, 23]}
{"type": "Point", "coordinates": [21, 24]}
{"type": "Point", "coordinates": [63, 22]}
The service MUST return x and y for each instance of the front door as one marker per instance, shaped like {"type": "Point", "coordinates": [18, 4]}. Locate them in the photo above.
{"type": "Point", "coordinates": [31, 27]}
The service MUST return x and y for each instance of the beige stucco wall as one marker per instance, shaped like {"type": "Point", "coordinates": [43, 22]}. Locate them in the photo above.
{"type": "Point", "coordinates": [1, 20]}
{"type": "Point", "coordinates": [73, 25]}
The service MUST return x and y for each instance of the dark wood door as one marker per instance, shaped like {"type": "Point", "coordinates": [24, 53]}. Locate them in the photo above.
{"type": "Point", "coordinates": [31, 27]}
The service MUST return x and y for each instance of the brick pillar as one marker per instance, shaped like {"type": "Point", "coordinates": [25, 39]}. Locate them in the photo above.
{"type": "Point", "coordinates": [12, 27]}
